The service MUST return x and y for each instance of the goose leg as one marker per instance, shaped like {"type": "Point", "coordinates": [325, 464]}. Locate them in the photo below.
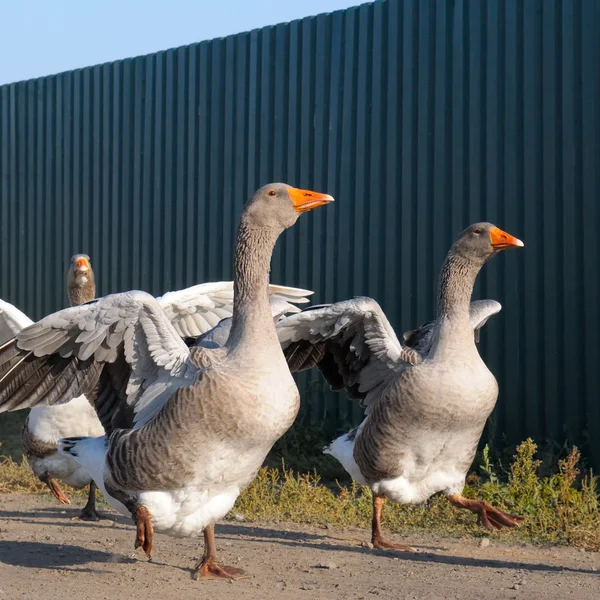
{"type": "Point", "coordinates": [89, 513]}
{"type": "Point", "coordinates": [209, 567]}
{"type": "Point", "coordinates": [145, 531]}
{"type": "Point", "coordinates": [377, 538]}
{"type": "Point", "coordinates": [491, 518]}
{"type": "Point", "coordinates": [55, 488]}
{"type": "Point", "coordinates": [141, 517]}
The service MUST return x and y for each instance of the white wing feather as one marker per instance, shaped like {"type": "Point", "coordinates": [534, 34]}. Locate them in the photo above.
{"type": "Point", "coordinates": [152, 347]}
{"type": "Point", "coordinates": [197, 309]}
{"type": "Point", "coordinates": [12, 320]}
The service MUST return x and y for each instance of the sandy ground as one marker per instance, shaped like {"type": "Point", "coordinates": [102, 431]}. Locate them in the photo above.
{"type": "Point", "coordinates": [45, 554]}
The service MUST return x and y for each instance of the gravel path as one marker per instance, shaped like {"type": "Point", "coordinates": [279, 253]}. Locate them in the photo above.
{"type": "Point", "coordinates": [45, 554]}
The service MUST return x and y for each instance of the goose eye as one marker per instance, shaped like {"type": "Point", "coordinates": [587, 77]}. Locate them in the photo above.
{"type": "Point", "coordinates": [477, 230]}
{"type": "Point", "coordinates": [272, 193]}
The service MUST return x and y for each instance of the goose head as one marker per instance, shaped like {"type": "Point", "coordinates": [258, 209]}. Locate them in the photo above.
{"type": "Point", "coordinates": [80, 269]}
{"type": "Point", "coordinates": [278, 205]}
{"type": "Point", "coordinates": [81, 283]}
{"type": "Point", "coordinates": [480, 241]}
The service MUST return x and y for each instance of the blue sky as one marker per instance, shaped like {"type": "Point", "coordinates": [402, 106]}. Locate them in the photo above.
{"type": "Point", "coordinates": [41, 37]}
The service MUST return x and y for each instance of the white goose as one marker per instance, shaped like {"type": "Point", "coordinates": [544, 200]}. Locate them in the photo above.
{"type": "Point", "coordinates": [45, 425]}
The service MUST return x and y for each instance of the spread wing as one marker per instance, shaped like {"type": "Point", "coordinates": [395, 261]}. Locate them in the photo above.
{"type": "Point", "coordinates": [197, 309]}
{"type": "Point", "coordinates": [481, 310]}
{"type": "Point", "coordinates": [218, 336]}
{"type": "Point", "coordinates": [121, 351]}
{"type": "Point", "coordinates": [12, 320]}
{"type": "Point", "coordinates": [351, 342]}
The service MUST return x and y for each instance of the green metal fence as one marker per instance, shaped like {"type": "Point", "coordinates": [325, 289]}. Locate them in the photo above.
{"type": "Point", "coordinates": [419, 116]}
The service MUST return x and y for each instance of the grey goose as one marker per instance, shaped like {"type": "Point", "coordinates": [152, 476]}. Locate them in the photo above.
{"type": "Point", "coordinates": [193, 311]}
{"type": "Point", "coordinates": [426, 405]}
{"type": "Point", "coordinates": [187, 428]}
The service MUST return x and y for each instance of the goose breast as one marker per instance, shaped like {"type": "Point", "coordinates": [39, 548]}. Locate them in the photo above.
{"type": "Point", "coordinates": [432, 425]}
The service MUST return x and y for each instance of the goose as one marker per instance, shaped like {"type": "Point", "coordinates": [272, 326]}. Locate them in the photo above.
{"type": "Point", "coordinates": [45, 425]}
{"type": "Point", "coordinates": [426, 405]}
{"type": "Point", "coordinates": [192, 311]}
{"type": "Point", "coordinates": [187, 427]}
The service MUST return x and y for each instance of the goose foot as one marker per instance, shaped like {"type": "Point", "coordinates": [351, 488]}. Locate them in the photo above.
{"type": "Point", "coordinates": [382, 544]}
{"type": "Point", "coordinates": [89, 515]}
{"type": "Point", "coordinates": [377, 538]}
{"type": "Point", "coordinates": [145, 531]}
{"type": "Point", "coordinates": [491, 518]}
{"type": "Point", "coordinates": [88, 512]}
{"type": "Point", "coordinates": [211, 568]}
{"type": "Point", "coordinates": [57, 490]}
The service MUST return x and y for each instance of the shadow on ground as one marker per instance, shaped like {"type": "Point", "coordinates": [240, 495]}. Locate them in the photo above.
{"type": "Point", "coordinates": [38, 555]}
{"type": "Point", "coordinates": [424, 555]}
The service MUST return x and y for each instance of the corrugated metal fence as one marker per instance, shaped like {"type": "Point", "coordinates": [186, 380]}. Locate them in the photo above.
{"type": "Point", "coordinates": [419, 116]}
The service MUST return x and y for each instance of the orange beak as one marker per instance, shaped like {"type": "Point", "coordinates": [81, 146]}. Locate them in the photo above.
{"type": "Point", "coordinates": [501, 240]}
{"type": "Point", "coordinates": [306, 200]}
{"type": "Point", "coordinates": [81, 266]}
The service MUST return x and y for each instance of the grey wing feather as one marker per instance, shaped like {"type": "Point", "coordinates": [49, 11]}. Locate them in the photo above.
{"type": "Point", "coordinates": [64, 355]}
{"type": "Point", "coordinates": [351, 342]}
{"type": "Point", "coordinates": [481, 310]}
{"type": "Point", "coordinates": [217, 337]}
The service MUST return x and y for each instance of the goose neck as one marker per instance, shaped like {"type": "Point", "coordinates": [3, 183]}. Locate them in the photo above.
{"type": "Point", "coordinates": [252, 321]}
{"type": "Point", "coordinates": [457, 280]}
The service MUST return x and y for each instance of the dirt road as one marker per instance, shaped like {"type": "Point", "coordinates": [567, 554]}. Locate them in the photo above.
{"type": "Point", "coordinates": [44, 554]}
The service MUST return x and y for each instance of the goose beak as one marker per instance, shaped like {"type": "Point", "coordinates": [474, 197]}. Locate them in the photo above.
{"type": "Point", "coordinates": [304, 200]}
{"type": "Point", "coordinates": [82, 266]}
{"type": "Point", "coordinates": [500, 240]}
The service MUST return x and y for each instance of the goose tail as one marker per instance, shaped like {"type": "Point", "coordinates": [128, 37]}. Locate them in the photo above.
{"type": "Point", "coordinates": [342, 449]}
{"type": "Point", "coordinates": [89, 452]}
{"type": "Point", "coordinates": [68, 446]}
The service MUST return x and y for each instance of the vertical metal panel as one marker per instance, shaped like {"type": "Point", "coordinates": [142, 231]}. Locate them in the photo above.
{"type": "Point", "coordinates": [419, 116]}
{"type": "Point", "coordinates": [588, 237]}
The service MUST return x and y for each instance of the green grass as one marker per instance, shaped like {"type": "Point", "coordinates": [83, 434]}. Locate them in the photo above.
{"type": "Point", "coordinates": [560, 508]}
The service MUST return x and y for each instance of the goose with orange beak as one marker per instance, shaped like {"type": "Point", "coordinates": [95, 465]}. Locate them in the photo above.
{"type": "Point", "coordinates": [81, 265]}
{"type": "Point", "coordinates": [426, 402]}
{"type": "Point", "coordinates": [187, 428]}
{"type": "Point", "coordinates": [45, 425]}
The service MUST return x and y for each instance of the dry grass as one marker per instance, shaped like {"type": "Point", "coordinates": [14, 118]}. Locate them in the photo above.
{"type": "Point", "coordinates": [561, 508]}
{"type": "Point", "coordinates": [16, 477]}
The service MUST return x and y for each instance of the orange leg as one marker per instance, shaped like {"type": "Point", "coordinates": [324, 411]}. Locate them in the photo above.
{"type": "Point", "coordinates": [209, 567]}
{"type": "Point", "coordinates": [145, 531]}
{"type": "Point", "coordinates": [491, 518]}
{"type": "Point", "coordinates": [376, 537]}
